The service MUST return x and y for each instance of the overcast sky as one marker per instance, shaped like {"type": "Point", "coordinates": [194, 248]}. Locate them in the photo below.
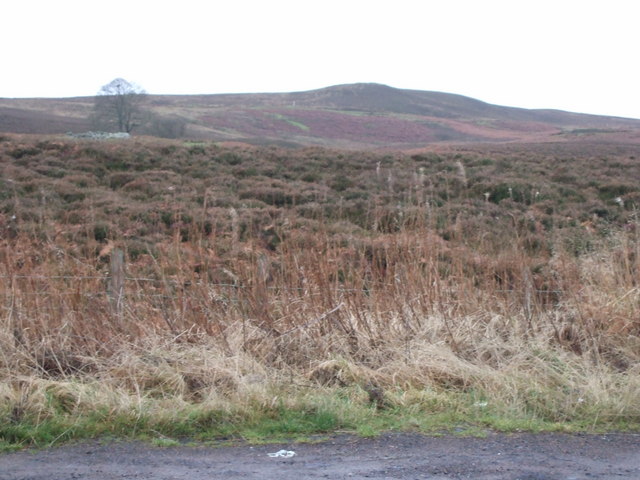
{"type": "Point", "coordinates": [577, 55]}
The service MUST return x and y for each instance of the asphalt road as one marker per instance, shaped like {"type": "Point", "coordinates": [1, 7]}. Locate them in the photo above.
{"type": "Point", "coordinates": [391, 456]}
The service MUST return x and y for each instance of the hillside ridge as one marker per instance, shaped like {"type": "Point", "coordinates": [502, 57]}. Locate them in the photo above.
{"type": "Point", "coordinates": [358, 115]}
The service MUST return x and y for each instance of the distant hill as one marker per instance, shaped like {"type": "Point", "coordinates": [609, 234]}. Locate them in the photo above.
{"type": "Point", "coordinates": [363, 115]}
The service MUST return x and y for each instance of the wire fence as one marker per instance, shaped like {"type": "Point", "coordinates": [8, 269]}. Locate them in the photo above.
{"type": "Point", "coordinates": [239, 286]}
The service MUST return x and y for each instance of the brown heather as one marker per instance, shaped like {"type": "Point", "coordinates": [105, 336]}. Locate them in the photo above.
{"type": "Point", "coordinates": [261, 275]}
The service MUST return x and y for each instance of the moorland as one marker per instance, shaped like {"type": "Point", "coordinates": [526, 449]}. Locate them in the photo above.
{"type": "Point", "coordinates": [270, 291]}
{"type": "Point", "coordinates": [361, 116]}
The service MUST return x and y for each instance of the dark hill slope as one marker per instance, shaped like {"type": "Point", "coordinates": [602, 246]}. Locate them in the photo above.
{"type": "Point", "coordinates": [381, 98]}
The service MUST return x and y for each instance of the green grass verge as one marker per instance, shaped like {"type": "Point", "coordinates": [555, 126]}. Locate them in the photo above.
{"type": "Point", "coordinates": [333, 412]}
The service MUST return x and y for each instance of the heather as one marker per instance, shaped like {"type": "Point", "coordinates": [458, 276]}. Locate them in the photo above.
{"type": "Point", "coordinates": [271, 291]}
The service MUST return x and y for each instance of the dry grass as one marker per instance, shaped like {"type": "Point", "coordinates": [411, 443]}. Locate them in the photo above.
{"type": "Point", "coordinates": [403, 320]}
{"type": "Point", "coordinates": [407, 327]}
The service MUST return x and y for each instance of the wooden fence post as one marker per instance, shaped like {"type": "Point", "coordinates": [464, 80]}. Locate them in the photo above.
{"type": "Point", "coordinates": [115, 288]}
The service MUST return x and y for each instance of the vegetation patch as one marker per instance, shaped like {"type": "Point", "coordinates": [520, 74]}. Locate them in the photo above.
{"type": "Point", "coordinates": [295, 123]}
{"type": "Point", "coordinates": [173, 291]}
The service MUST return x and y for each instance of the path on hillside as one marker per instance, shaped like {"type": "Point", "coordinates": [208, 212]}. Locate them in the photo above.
{"type": "Point", "coordinates": [392, 456]}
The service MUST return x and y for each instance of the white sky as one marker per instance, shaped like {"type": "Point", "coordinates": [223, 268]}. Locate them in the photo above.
{"type": "Point", "coordinates": [577, 55]}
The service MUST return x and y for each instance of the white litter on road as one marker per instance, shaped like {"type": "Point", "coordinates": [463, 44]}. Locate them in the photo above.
{"type": "Point", "coordinates": [282, 453]}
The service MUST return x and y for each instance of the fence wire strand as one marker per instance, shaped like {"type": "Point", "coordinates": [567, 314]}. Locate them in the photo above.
{"type": "Point", "coordinates": [189, 285]}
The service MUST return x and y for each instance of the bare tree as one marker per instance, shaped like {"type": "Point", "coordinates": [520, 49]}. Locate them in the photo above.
{"type": "Point", "coordinates": [118, 104]}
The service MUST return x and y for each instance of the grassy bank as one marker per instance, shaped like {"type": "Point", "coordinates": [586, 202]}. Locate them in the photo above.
{"type": "Point", "coordinates": [272, 293]}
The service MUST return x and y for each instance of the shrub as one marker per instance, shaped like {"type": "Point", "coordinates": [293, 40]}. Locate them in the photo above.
{"type": "Point", "coordinates": [229, 158]}
{"type": "Point", "coordinates": [197, 150]}
{"type": "Point", "coordinates": [101, 231]}
{"type": "Point", "coordinates": [611, 190]}
{"type": "Point", "coordinates": [20, 152]}
{"type": "Point", "coordinates": [118, 180]}
{"type": "Point", "coordinates": [69, 192]}
{"type": "Point", "coordinates": [340, 183]}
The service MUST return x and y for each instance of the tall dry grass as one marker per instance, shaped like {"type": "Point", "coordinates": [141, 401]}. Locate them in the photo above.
{"type": "Point", "coordinates": [554, 338]}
